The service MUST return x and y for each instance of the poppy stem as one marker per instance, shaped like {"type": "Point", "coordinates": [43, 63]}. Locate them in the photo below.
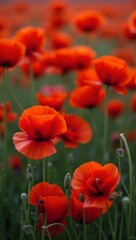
{"type": "Point", "coordinates": [84, 225]}
{"type": "Point", "coordinates": [4, 173]}
{"type": "Point", "coordinates": [13, 94]}
{"type": "Point", "coordinates": [100, 226]}
{"type": "Point", "coordinates": [130, 181]}
{"type": "Point", "coordinates": [105, 125]}
{"type": "Point", "coordinates": [121, 224]}
{"type": "Point", "coordinates": [115, 222]}
{"type": "Point", "coordinates": [60, 224]}
{"type": "Point", "coordinates": [32, 87]}
{"type": "Point", "coordinates": [69, 213]}
{"type": "Point", "coordinates": [44, 169]}
{"type": "Point", "coordinates": [110, 224]}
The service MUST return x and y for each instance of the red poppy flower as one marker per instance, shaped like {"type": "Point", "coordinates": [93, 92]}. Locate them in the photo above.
{"type": "Point", "coordinates": [86, 77]}
{"type": "Point", "coordinates": [78, 131]}
{"type": "Point", "coordinates": [37, 65]}
{"type": "Point", "coordinates": [115, 108]}
{"type": "Point", "coordinates": [11, 116]}
{"type": "Point", "coordinates": [96, 183]}
{"type": "Point", "coordinates": [112, 71]}
{"type": "Point", "coordinates": [133, 102]}
{"type": "Point", "coordinates": [125, 53]}
{"type": "Point", "coordinates": [11, 52]}
{"type": "Point", "coordinates": [130, 27]}
{"type": "Point", "coordinates": [131, 135]}
{"type": "Point", "coordinates": [76, 207]}
{"type": "Point", "coordinates": [60, 40]}
{"type": "Point", "coordinates": [83, 57]}
{"type": "Point", "coordinates": [87, 96]}
{"type": "Point", "coordinates": [52, 204]}
{"type": "Point", "coordinates": [88, 21]}
{"type": "Point", "coordinates": [15, 163]}
{"type": "Point", "coordinates": [55, 100]}
{"type": "Point", "coordinates": [39, 125]}
{"type": "Point", "coordinates": [33, 38]}
{"type": "Point", "coordinates": [132, 78]}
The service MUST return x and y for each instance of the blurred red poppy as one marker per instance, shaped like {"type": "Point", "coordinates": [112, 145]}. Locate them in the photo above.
{"type": "Point", "coordinates": [33, 38]}
{"type": "Point", "coordinates": [78, 131]}
{"type": "Point", "coordinates": [96, 183]}
{"type": "Point", "coordinates": [87, 96]}
{"type": "Point", "coordinates": [14, 162]}
{"type": "Point", "coordinates": [112, 71]}
{"type": "Point", "coordinates": [77, 210]}
{"type": "Point", "coordinates": [60, 40]}
{"type": "Point", "coordinates": [115, 108]}
{"type": "Point", "coordinates": [130, 27]}
{"type": "Point", "coordinates": [55, 100]}
{"type": "Point", "coordinates": [87, 77]}
{"type": "Point", "coordinates": [125, 53]}
{"type": "Point", "coordinates": [11, 52]}
{"type": "Point", "coordinates": [88, 21]}
{"type": "Point", "coordinates": [11, 116]}
{"type": "Point", "coordinates": [39, 125]}
{"type": "Point", "coordinates": [133, 102]}
{"type": "Point", "coordinates": [52, 205]}
{"type": "Point", "coordinates": [131, 85]}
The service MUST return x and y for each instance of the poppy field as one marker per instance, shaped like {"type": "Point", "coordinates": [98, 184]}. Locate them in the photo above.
{"type": "Point", "coordinates": [67, 121]}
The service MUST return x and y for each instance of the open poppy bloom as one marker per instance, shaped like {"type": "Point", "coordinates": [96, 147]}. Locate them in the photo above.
{"type": "Point", "coordinates": [130, 27]}
{"type": "Point", "coordinates": [52, 205]}
{"type": "Point", "coordinates": [78, 131]}
{"type": "Point", "coordinates": [77, 209]}
{"type": "Point", "coordinates": [87, 77]}
{"type": "Point", "coordinates": [33, 39]}
{"type": "Point", "coordinates": [88, 21]}
{"type": "Point", "coordinates": [60, 40]}
{"type": "Point", "coordinates": [37, 66]}
{"type": "Point", "coordinates": [115, 108]}
{"type": "Point", "coordinates": [39, 125]}
{"type": "Point", "coordinates": [131, 85]}
{"type": "Point", "coordinates": [11, 52]}
{"type": "Point", "coordinates": [54, 100]}
{"type": "Point", "coordinates": [96, 183]}
{"type": "Point", "coordinates": [11, 116]}
{"type": "Point", "coordinates": [112, 71]}
{"type": "Point", "coordinates": [87, 96]}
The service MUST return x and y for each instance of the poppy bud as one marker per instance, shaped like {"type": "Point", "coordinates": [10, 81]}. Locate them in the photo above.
{"type": "Point", "coordinates": [24, 197]}
{"type": "Point", "coordinates": [28, 229]}
{"type": "Point", "coordinates": [120, 152]}
{"type": "Point", "coordinates": [114, 195]}
{"type": "Point", "coordinates": [125, 201]}
{"type": "Point", "coordinates": [29, 177]}
{"type": "Point", "coordinates": [67, 181]}
{"type": "Point", "coordinates": [71, 158]}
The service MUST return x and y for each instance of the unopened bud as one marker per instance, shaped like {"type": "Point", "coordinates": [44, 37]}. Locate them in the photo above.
{"type": "Point", "coordinates": [114, 195]}
{"type": "Point", "coordinates": [29, 168]}
{"type": "Point", "coordinates": [28, 229]}
{"type": "Point", "coordinates": [29, 176]}
{"type": "Point", "coordinates": [125, 201]}
{"type": "Point", "coordinates": [120, 152]}
{"type": "Point", "coordinates": [67, 181]}
{"type": "Point", "coordinates": [24, 197]}
{"type": "Point", "coordinates": [49, 164]}
{"type": "Point", "coordinates": [81, 197]}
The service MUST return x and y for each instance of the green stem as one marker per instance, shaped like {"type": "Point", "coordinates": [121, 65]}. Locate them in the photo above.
{"type": "Point", "coordinates": [44, 169]}
{"type": "Point", "coordinates": [32, 87]}
{"type": "Point", "coordinates": [100, 226]}
{"type": "Point", "coordinates": [130, 180]}
{"type": "Point", "coordinates": [69, 213]}
{"type": "Point", "coordinates": [13, 94]}
{"type": "Point", "coordinates": [84, 225]}
{"type": "Point", "coordinates": [121, 224]}
{"type": "Point", "coordinates": [115, 223]}
{"type": "Point", "coordinates": [105, 125]}
{"type": "Point", "coordinates": [28, 207]}
{"type": "Point", "coordinates": [60, 224]}
{"type": "Point", "coordinates": [110, 224]}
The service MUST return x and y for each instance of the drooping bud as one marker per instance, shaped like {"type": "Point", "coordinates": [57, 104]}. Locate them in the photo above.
{"type": "Point", "coordinates": [120, 152]}
{"type": "Point", "coordinates": [67, 181]}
